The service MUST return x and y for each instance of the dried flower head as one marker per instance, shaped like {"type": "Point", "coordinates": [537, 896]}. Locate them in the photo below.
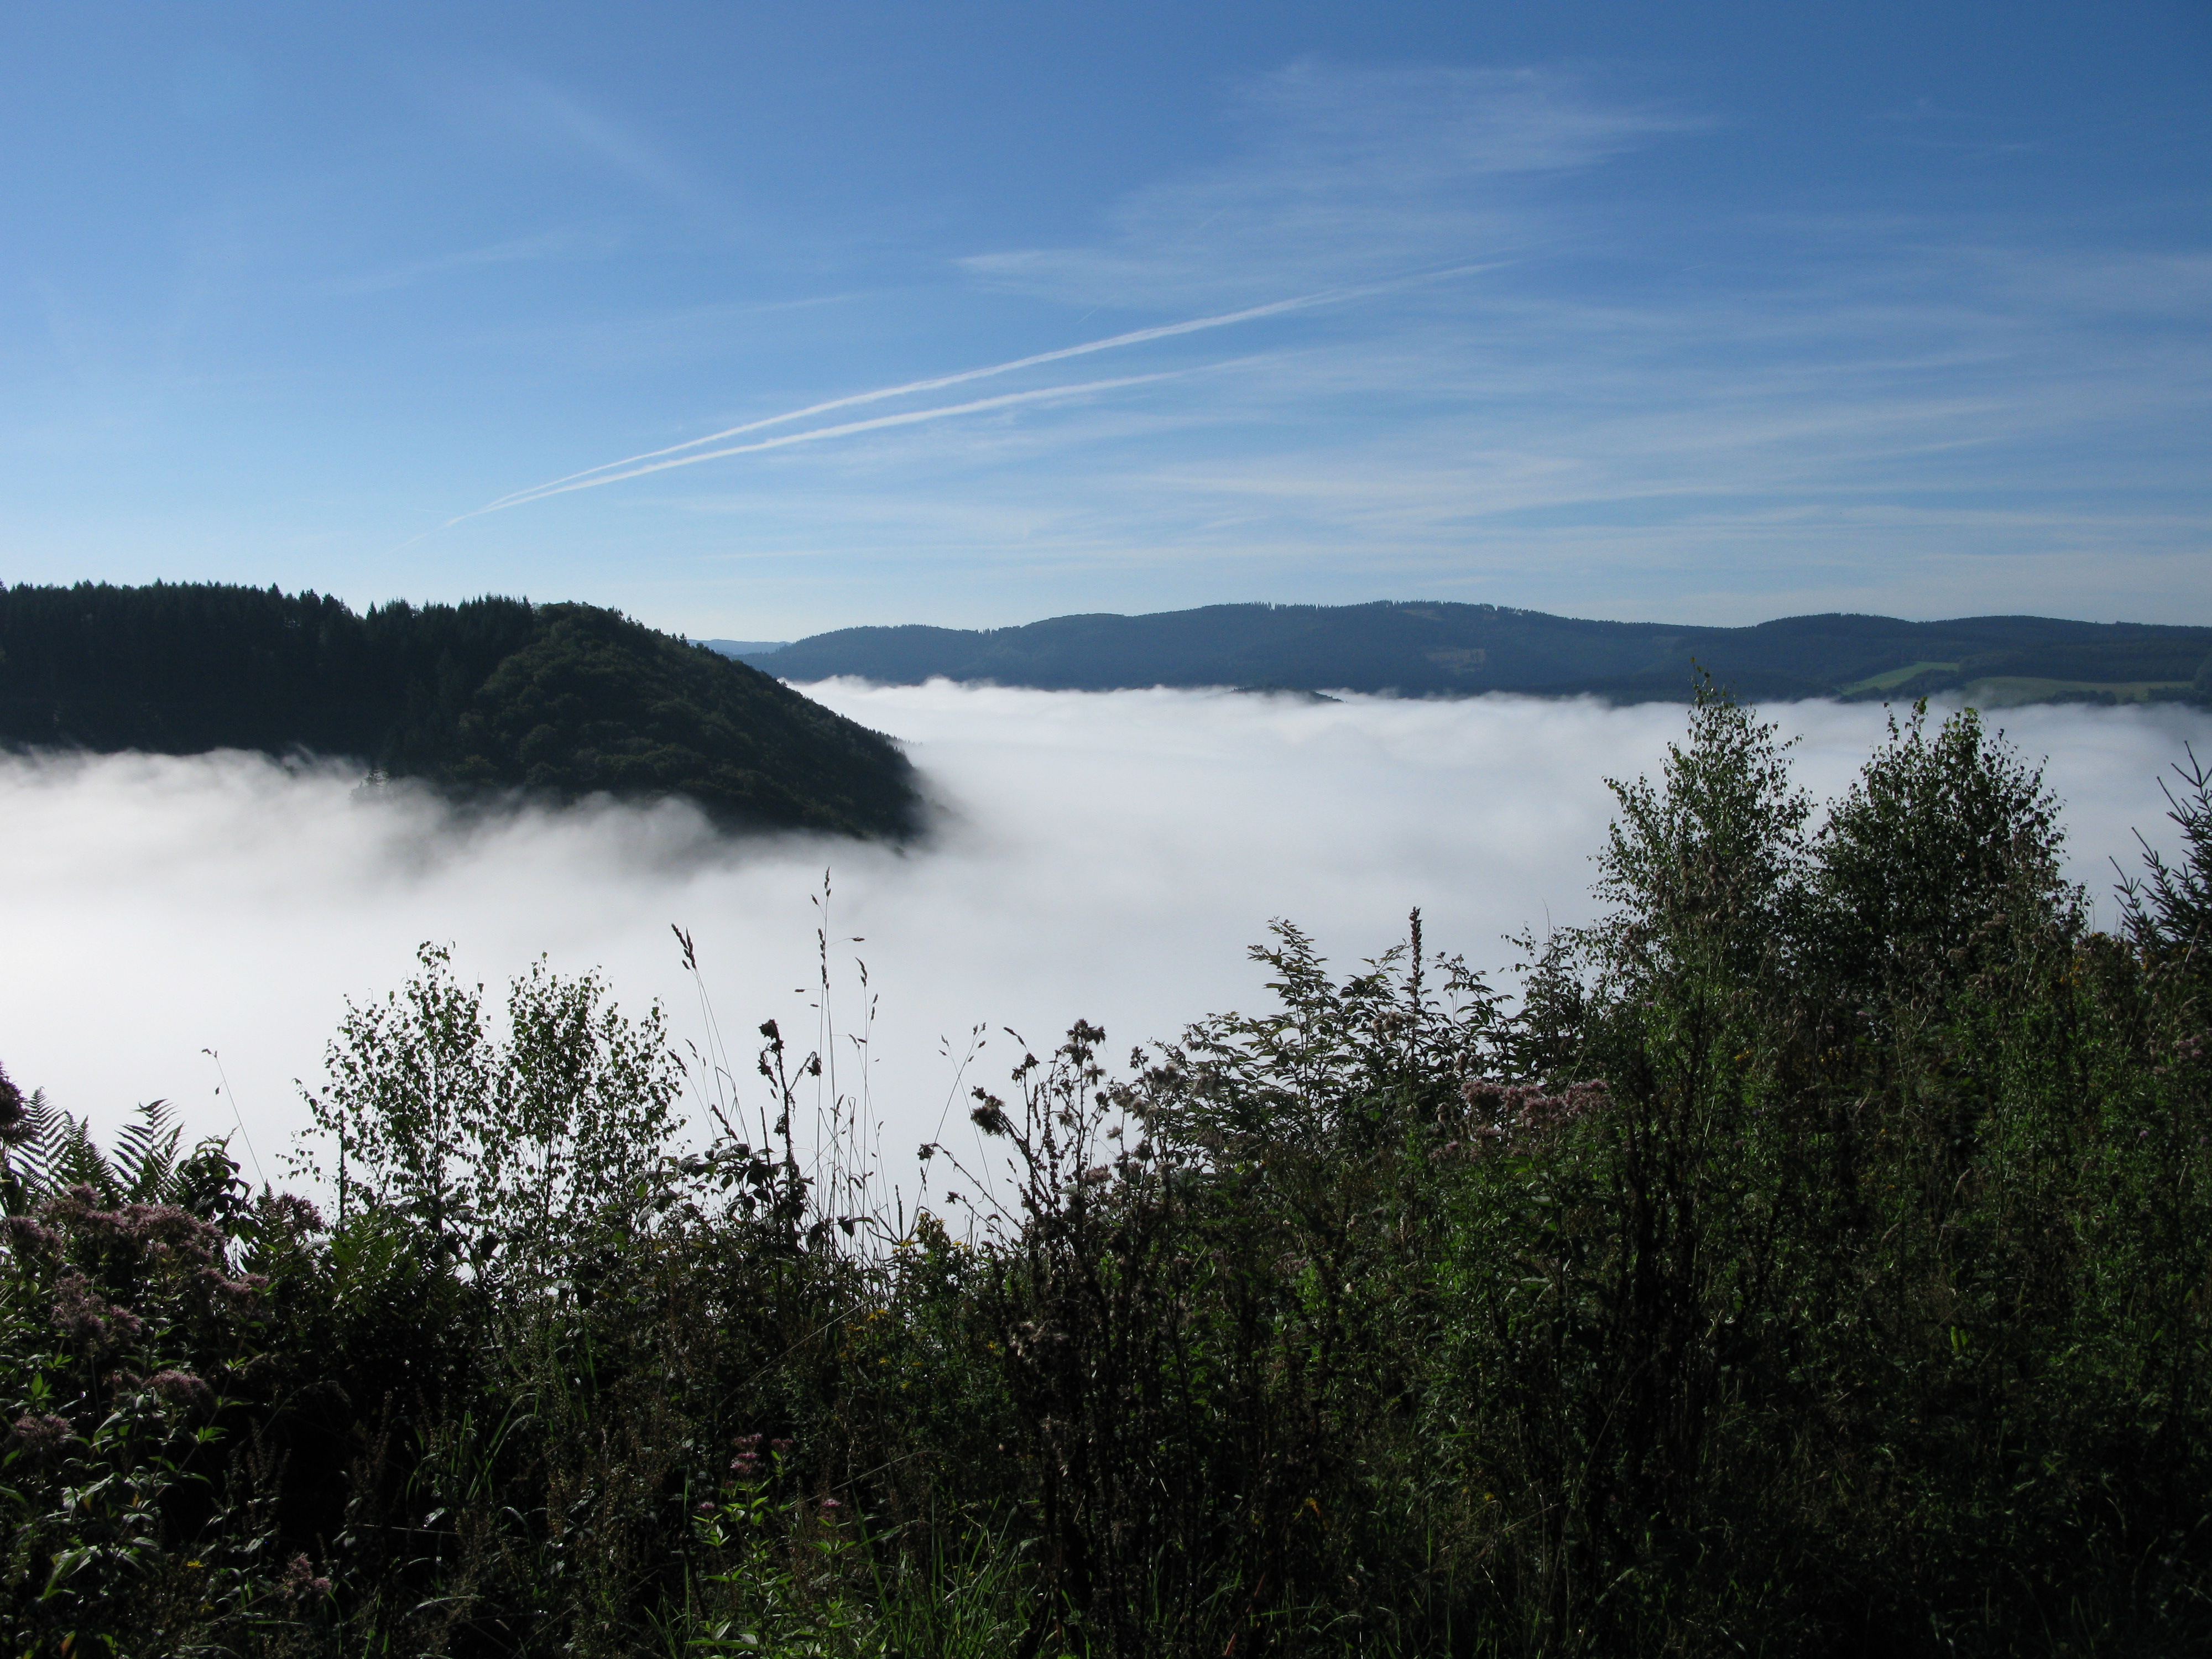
{"type": "Point", "coordinates": [82, 1315]}
{"type": "Point", "coordinates": [43, 1434]}
{"type": "Point", "coordinates": [1505, 1110]}
{"type": "Point", "coordinates": [289, 1215]}
{"type": "Point", "coordinates": [301, 1582]}
{"type": "Point", "coordinates": [14, 1120]}
{"type": "Point", "coordinates": [183, 1390]}
{"type": "Point", "coordinates": [79, 1208]}
{"type": "Point", "coordinates": [28, 1237]}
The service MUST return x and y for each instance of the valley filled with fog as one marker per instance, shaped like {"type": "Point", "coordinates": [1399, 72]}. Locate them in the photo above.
{"type": "Point", "coordinates": [1105, 855]}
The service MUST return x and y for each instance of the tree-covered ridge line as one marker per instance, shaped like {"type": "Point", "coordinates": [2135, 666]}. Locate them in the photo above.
{"type": "Point", "coordinates": [493, 695]}
{"type": "Point", "coordinates": [1448, 649]}
{"type": "Point", "coordinates": [1809, 1259]}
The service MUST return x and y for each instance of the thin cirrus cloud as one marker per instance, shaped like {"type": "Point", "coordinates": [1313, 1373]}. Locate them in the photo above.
{"type": "Point", "coordinates": [1528, 415]}
{"type": "Point", "coordinates": [1829, 405]}
{"type": "Point", "coordinates": [548, 117]}
{"type": "Point", "coordinates": [1836, 404]}
{"type": "Point", "coordinates": [1343, 173]}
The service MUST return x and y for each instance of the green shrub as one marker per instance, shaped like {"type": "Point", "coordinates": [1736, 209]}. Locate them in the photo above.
{"type": "Point", "coordinates": [1810, 1259]}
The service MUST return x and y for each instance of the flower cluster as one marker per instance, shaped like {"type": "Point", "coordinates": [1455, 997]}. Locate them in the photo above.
{"type": "Point", "coordinates": [749, 1464]}
{"type": "Point", "coordinates": [133, 1242]}
{"type": "Point", "coordinates": [289, 1215]}
{"type": "Point", "coordinates": [42, 1434]}
{"type": "Point", "coordinates": [15, 1120]}
{"type": "Point", "coordinates": [28, 1238]}
{"type": "Point", "coordinates": [82, 1315]}
{"type": "Point", "coordinates": [301, 1582]}
{"type": "Point", "coordinates": [1508, 1111]}
{"type": "Point", "coordinates": [182, 1389]}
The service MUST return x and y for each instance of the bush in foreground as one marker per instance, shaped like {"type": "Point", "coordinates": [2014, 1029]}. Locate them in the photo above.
{"type": "Point", "coordinates": [1812, 1259]}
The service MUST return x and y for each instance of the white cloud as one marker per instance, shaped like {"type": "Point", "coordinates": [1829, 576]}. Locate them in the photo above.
{"type": "Point", "coordinates": [1106, 856]}
{"type": "Point", "coordinates": [1345, 175]}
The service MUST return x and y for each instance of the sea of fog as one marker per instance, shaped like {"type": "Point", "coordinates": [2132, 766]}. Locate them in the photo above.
{"type": "Point", "coordinates": [1106, 855]}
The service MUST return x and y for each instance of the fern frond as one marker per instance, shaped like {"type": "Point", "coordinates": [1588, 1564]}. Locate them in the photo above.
{"type": "Point", "coordinates": [32, 1160]}
{"type": "Point", "coordinates": [22, 1162]}
{"type": "Point", "coordinates": [144, 1164]}
{"type": "Point", "coordinates": [74, 1159]}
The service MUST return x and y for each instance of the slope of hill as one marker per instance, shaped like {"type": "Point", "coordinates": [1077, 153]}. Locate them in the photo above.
{"type": "Point", "coordinates": [558, 701]}
{"type": "Point", "coordinates": [1463, 649]}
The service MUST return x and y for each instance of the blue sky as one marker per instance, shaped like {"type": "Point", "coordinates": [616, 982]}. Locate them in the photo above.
{"type": "Point", "coordinates": [1707, 312]}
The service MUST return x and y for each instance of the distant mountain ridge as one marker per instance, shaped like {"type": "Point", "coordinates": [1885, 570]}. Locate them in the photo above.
{"type": "Point", "coordinates": [1427, 649]}
{"type": "Point", "coordinates": [495, 695]}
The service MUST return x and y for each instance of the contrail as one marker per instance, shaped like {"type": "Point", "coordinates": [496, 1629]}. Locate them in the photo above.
{"type": "Point", "coordinates": [615, 471]}
{"type": "Point", "coordinates": [1004, 400]}
{"type": "Point", "coordinates": [937, 383]}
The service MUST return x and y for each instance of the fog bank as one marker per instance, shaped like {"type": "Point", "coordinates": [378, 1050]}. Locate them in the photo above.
{"type": "Point", "coordinates": [1107, 855]}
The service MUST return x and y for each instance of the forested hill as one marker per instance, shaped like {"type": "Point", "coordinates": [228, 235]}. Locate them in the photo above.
{"type": "Point", "coordinates": [1462, 649]}
{"type": "Point", "coordinates": [560, 701]}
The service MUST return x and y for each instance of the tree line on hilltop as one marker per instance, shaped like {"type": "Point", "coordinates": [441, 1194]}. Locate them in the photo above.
{"type": "Point", "coordinates": [490, 696]}
{"type": "Point", "coordinates": [1431, 648]}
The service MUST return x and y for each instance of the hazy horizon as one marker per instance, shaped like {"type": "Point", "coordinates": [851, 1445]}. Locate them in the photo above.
{"type": "Point", "coordinates": [1416, 599]}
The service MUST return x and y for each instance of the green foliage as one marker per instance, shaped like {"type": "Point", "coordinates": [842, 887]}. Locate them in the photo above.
{"type": "Point", "coordinates": [1811, 1260]}
{"type": "Point", "coordinates": [495, 695]}
{"type": "Point", "coordinates": [2168, 911]}
{"type": "Point", "coordinates": [509, 1154]}
{"type": "Point", "coordinates": [1700, 868]}
{"type": "Point", "coordinates": [1937, 835]}
{"type": "Point", "coordinates": [594, 703]}
{"type": "Point", "coordinates": [134, 1302]}
{"type": "Point", "coordinates": [44, 1152]}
